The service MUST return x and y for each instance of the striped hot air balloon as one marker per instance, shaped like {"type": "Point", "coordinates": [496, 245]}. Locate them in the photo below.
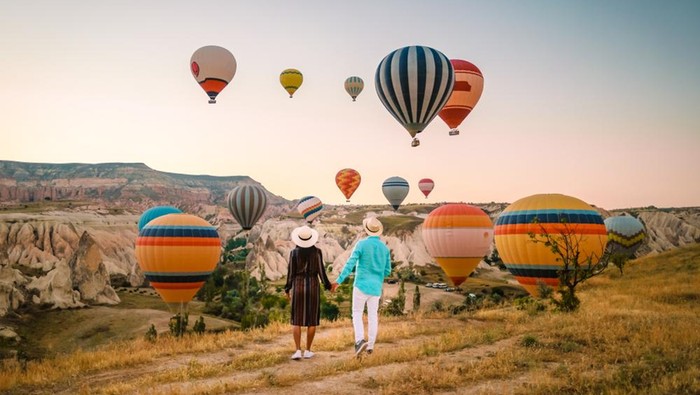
{"type": "Point", "coordinates": [155, 212]}
{"type": "Point", "coordinates": [395, 190]}
{"type": "Point", "coordinates": [291, 80]}
{"type": "Point", "coordinates": [414, 84]}
{"type": "Point", "coordinates": [353, 86]}
{"type": "Point", "coordinates": [177, 253]}
{"type": "Point", "coordinates": [247, 204]}
{"type": "Point", "coordinates": [347, 181]}
{"type": "Point", "coordinates": [426, 185]}
{"type": "Point", "coordinates": [625, 235]}
{"type": "Point", "coordinates": [556, 214]}
{"type": "Point", "coordinates": [310, 207]}
{"type": "Point", "coordinates": [469, 83]}
{"type": "Point", "coordinates": [213, 67]}
{"type": "Point", "coordinates": [458, 236]}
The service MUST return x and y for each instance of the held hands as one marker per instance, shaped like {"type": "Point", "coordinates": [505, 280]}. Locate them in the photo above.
{"type": "Point", "coordinates": [334, 286]}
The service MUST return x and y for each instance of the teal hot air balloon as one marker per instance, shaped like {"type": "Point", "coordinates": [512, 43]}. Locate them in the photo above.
{"type": "Point", "coordinates": [625, 235]}
{"type": "Point", "coordinates": [155, 212]}
{"type": "Point", "coordinates": [247, 204]}
{"type": "Point", "coordinates": [395, 190]}
{"type": "Point", "coordinates": [354, 86]}
{"type": "Point", "coordinates": [414, 83]}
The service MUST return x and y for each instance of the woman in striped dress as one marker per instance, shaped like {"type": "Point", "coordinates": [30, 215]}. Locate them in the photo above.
{"type": "Point", "coordinates": [305, 270]}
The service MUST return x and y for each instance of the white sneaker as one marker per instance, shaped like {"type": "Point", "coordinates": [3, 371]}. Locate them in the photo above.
{"type": "Point", "coordinates": [297, 355]}
{"type": "Point", "coordinates": [308, 354]}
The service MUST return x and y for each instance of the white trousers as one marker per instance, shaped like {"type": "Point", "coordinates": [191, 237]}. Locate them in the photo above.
{"type": "Point", "coordinates": [359, 299]}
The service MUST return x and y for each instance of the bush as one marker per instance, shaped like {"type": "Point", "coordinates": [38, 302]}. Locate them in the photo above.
{"type": "Point", "coordinates": [152, 334]}
{"type": "Point", "coordinates": [529, 341]}
{"type": "Point", "coordinates": [178, 324]}
{"type": "Point", "coordinates": [199, 326]}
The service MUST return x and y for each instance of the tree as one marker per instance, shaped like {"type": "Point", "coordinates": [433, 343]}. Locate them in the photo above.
{"type": "Point", "coordinates": [577, 265]}
{"type": "Point", "coordinates": [416, 299]}
{"type": "Point", "coordinates": [397, 305]}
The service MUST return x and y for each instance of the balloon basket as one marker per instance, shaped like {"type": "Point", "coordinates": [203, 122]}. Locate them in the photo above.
{"type": "Point", "coordinates": [454, 132]}
{"type": "Point", "coordinates": [212, 101]}
{"type": "Point", "coordinates": [415, 142]}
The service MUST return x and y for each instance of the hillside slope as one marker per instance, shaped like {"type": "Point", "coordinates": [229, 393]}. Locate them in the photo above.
{"type": "Point", "coordinates": [633, 334]}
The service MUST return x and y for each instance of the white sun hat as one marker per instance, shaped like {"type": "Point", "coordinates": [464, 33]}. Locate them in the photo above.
{"type": "Point", "coordinates": [304, 236]}
{"type": "Point", "coordinates": [372, 226]}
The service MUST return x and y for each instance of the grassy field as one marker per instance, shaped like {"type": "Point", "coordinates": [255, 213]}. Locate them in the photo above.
{"type": "Point", "coordinates": [634, 334]}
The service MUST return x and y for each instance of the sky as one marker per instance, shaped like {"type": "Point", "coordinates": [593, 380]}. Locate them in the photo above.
{"type": "Point", "coordinates": [594, 99]}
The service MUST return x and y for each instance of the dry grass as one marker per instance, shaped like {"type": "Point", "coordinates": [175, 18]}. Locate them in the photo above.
{"type": "Point", "coordinates": [637, 333]}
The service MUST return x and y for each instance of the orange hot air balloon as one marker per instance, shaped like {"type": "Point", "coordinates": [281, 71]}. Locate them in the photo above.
{"type": "Point", "coordinates": [469, 83]}
{"type": "Point", "coordinates": [177, 253]}
{"type": "Point", "coordinates": [347, 181]}
{"type": "Point", "coordinates": [458, 236]}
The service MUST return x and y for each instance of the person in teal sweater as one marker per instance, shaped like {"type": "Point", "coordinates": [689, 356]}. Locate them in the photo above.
{"type": "Point", "coordinates": [371, 260]}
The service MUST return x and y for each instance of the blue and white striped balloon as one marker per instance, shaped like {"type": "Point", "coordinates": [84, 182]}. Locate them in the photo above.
{"type": "Point", "coordinates": [414, 83]}
{"type": "Point", "coordinates": [395, 190]}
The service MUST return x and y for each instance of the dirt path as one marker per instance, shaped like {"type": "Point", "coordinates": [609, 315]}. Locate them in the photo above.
{"type": "Point", "coordinates": [284, 376]}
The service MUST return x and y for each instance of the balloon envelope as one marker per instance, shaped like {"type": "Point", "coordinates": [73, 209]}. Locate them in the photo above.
{"type": "Point", "coordinates": [395, 190]}
{"type": "Point", "coordinates": [155, 212]}
{"type": "Point", "coordinates": [625, 234]}
{"type": "Point", "coordinates": [247, 204]}
{"type": "Point", "coordinates": [213, 67]}
{"type": "Point", "coordinates": [426, 185]}
{"type": "Point", "coordinates": [469, 84]}
{"type": "Point", "coordinates": [177, 253]}
{"type": "Point", "coordinates": [347, 181]}
{"type": "Point", "coordinates": [310, 207]}
{"type": "Point", "coordinates": [532, 263]}
{"type": "Point", "coordinates": [291, 80]}
{"type": "Point", "coordinates": [458, 236]}
{"type": "Point", "coordinates": [414, 84]}
{"type": "Point", "coordinates": [354, 86]}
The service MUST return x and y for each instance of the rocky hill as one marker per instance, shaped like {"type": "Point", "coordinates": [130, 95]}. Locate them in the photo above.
{"type": "Point", "coordinates": [128, 185]}
{"type": "Point", "coordinates": [67, 231]}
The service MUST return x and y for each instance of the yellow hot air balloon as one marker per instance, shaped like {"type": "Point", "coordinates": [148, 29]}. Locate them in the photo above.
{"type": "Point", "coordinates": [291, 80]}
{"type": "Point", "coordinates": [458, 236]}
{"type": "Point", "coordinates": [534, 263]}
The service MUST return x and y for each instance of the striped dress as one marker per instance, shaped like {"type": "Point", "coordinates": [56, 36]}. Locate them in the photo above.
{"type": "Point", "coordinates": [305, 268]}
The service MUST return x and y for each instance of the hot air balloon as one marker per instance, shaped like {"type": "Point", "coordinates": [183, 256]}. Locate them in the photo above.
{"type": "Point", "coordinates": [310, 207]}
{"type": "Point", "coordinates": [347, 181]}
{"type": "Point", "coordinates": [354, 85]}
{"type": "Point", "coordinates": [247, 204]}
{"type": "Point", "coordinates": [458, 236]}
{"type": "Point", "coordinates": [155, 212]}
{"type": "Point", "coordinates": [532, 263]}
{"type": "Point", "coordinates": [213, 67]}
{"type": "Point", "coordinates": [177, 253]}
{"type": "Point", "coordinates": [395, 190]}
{"type": "Point", "coordinates": [625, 235]}
{"type": "Point", "coordinates": [469, 83]}
{"type": "Point", "coordinates": [291, 80]}
{"type": "Point", "coordinates": [426, 185]}
{"type": "Point", "coordinates": [414, 84]}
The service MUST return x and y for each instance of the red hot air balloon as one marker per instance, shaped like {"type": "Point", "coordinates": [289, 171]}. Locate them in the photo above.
{"type": "Point", "coordinates": [426, 185]}
{"type": "Point", "coordinates": [469, 83]}
{"type": "Point", "coordinates": [347, 181]}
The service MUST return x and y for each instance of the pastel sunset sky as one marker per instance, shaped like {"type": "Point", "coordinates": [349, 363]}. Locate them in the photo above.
{"type": "Point", "coordinates": [595, 99]}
